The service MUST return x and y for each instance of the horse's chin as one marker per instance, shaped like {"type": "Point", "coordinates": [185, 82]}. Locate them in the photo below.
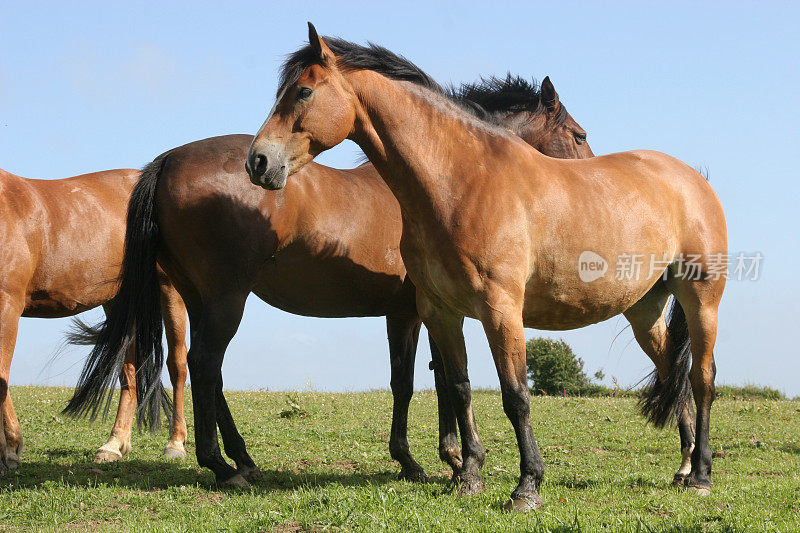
{"type": "Point", "coordinates": [271, 181]}
{"type": "Point", "coordinates": [276, 183]}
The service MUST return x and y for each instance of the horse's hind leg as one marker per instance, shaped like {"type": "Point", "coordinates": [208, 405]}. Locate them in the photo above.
{"type": "Point", "coordinates": [174, 312]}
{"type": "Point", "coordinates": [700, 301]}
{"type": "Point", "coordinates": [449, 452]}
{"type": "Point", "coordinates": [446, 329]}
{"type": "Point", "coordinates": [10, 433]}
{"type": "Point", "coordinates": [648, 321]}
{"type": "Point", "coordinates": [231, 439]}
{"type": "Point", "coordinates": [403, 333]}
{"type": "Point", "coordinates": [213, 325]}
{"type": "Point", "coordinates": [119, 442]}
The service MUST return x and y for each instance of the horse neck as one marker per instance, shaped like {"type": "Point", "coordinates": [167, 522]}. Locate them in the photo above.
{"type": "Point", "coordinates": [427, 150]}
{"type": "Point", "coordinates": [529, 126]}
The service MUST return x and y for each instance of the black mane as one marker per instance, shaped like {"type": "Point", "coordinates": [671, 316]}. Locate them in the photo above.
{"type": "Point", "coordinates": [513, 94]}
{"type": "Point", "coordinates": [356, 57]}
{"type": "Point", "coordinates": [491, 100]}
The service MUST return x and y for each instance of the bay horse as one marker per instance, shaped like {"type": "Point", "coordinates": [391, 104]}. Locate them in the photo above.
{"type": "Point", "coordinates": [303, 256]}
{"type": "Point", "coordinates": [62, 245]}
{"type": "Point", "coordinates": [494, 230]}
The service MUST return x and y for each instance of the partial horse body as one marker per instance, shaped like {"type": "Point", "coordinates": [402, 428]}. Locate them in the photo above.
{"type": "Point", "coordinates": [327, 246]}
{"type": "Point", "coordinates": [494, 230]}
{"type": "Point", "coordinates": [62, 244]}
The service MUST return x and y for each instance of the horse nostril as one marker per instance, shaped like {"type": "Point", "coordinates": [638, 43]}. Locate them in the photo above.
{"type": "Point", "coordinates": [260, 164]}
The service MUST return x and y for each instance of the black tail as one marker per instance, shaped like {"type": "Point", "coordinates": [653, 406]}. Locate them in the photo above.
{"type": "Point", "coordinates": [83, 334]}
{"type": "Point", "coordinates": [133, 320]}
{"type": "Point", "coordinates": [663, 400]}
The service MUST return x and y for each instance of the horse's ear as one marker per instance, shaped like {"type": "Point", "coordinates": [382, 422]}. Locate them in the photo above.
{"type": "Point", "coordinates": [549, 95]}
{"type": "Point", "coordinates": [321, 49]}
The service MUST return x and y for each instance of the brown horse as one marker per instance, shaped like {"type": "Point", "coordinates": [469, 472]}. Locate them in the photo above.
{"type": "Point", "coordinates": [497, 231]}
{"type": "Point", "coordinates": [303, 256]}
{"type": "Point", "coordinates": [61, 242]}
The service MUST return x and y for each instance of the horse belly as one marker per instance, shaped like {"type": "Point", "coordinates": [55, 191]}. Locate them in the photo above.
{"type": "Point", "coordinates": [75, 274]}
{"type": "Point", "coordinates": [326, 284]}
{"type": "Point", "coordinates": [70, 287]}
{"type": "Point", "coordinates": [567, 298]}
{"type": "Point", "coordinates": [53, 304]}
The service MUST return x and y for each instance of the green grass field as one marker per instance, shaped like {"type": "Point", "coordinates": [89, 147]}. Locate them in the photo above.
{"type": "Point", "coordinates": [331, 470]}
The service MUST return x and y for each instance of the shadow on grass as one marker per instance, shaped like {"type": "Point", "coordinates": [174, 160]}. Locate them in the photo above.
{"type": "Point", "coordinates": [60, 452]}
{"type": "Point", "coordinates": [160, 475]}
{"type": "Point", "coordinates": [587, 484]}
{"type": "Point", "coordinates": [790, 448]}
{"type": "Point", "coordinates": [135, 474]}
{"type": "Point", "coordinates": [578, 484]}
{"type": "Point", "coordinates": [282, 480]}
{"type": "Point", "coordinates": [155, 475]}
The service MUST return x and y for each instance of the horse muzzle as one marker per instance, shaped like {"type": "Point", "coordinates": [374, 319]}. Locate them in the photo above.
{"type": "Point", "coordinates": [267, 167]}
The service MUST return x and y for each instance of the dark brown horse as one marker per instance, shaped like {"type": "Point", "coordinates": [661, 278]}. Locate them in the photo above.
{"type": "Point", "coordinates": [304, 255]}
{"type": "Point", "coordinates": [494, 230]}
{"type": "Point", "coordinates": [62, 244]}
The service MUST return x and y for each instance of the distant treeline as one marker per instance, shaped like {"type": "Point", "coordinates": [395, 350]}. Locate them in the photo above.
{"type": "Point", "coordinates": [729, 392]}
{"type": "Point", "coordinates": [555, 370]}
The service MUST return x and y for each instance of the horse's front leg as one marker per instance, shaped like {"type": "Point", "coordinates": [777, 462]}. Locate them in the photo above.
{"type": "Point", "coordinates": [10, 433]}
{"type": "Point", "coordinates": [502, 321]}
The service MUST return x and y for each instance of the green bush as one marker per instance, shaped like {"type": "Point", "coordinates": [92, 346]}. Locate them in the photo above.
{"type": "Point", "coordinates": [554, 369]}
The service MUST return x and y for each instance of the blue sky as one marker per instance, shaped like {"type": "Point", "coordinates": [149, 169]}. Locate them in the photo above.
{"type": "Point", "coordinates": [90, 86]}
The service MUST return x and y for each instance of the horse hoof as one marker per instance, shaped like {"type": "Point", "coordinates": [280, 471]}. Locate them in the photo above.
{"type": "Point", "coordinates": [700, 490]}
{"type": "Point", "coordinates": [235, 482]}
{"type": "Point", "coordinates": [524, 503]}
{"type": "Point", "coordinates": [470, 485]}
{"type": "Point", "coordinates": [12, 461]}
{"type": "Point", "coordinates": [173, 452]}
{"type": "Point", "coordinates": [105, 455]}
{"type": "Point", "coordinates": [251, 474]}
{"type": "Point", "coordinates": [415, 475]}
{"type": "Point", "coordinates": [679, 480]}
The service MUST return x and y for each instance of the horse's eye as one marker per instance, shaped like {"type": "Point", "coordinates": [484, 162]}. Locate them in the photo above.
{"type": "Point", "coordinates": [303, 93]}
{"type": "Point", "coordinates": [580, 138]}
